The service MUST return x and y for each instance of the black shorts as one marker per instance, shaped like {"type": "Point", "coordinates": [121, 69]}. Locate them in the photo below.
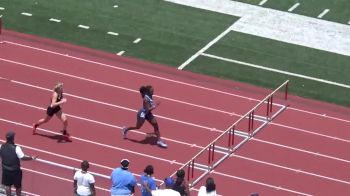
{"type": "Point", "coordinates": [142, 115]}
{"type": "Point", "coordinates": [52, 110]}
{"type": "Point", "coordinates": [10, 178]}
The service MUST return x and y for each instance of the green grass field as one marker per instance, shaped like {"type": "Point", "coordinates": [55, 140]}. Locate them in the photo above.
{"type": "Point", "coordinates": [172, 33]}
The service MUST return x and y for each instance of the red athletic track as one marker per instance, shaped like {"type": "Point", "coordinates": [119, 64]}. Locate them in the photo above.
{"type": "Point", "coordinates": [302, 151]}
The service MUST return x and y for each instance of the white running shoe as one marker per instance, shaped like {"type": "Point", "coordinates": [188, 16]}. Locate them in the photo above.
{"type": "Point", "coordinates": [162, 144]}
{"type": "Point", "coordinates": [124, 132]}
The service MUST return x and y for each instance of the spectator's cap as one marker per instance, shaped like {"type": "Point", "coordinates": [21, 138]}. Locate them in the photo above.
{"type": "Point", "coordinates": [169, 181]}
{"type": "Point", "coordinates": [10, 136]}
{"type": "Point", "coordinates": [125, 163]}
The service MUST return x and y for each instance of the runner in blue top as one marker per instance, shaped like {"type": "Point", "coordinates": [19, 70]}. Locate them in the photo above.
{"type": "Point", "coordinates": [145, 113]}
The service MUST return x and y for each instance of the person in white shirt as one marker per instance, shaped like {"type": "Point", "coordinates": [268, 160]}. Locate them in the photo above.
{"type": "Point", "coordinates": [168, 191]}
{"type": "Point", "coordinates": [209, 189]}
{"type": "Point", "coordinates": [84, 182]}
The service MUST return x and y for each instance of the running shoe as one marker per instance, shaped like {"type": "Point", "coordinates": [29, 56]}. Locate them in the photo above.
{"type": "Point", "coordinates": [162, 144]}
{"type": "Point", "coordinates": [124, 132]}
{"type": "Point", "coordinates": [34, 128]}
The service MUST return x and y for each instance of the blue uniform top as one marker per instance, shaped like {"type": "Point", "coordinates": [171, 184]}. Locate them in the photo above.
{"type": "Point", "coordinates": [122, 182]}
{"type": "Point", "coordinates": [150, 182]}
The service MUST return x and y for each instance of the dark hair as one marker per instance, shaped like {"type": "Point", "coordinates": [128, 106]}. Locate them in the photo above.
{"type": "Point", "coordinates": [85, 165]}
{"type": "Point", "coordinates": [149, 170]}
{"type": "Point", "coordinates": [210, 185]}
{"type": "Point", "coordinates": [146, 90]}
{"type": "Point", "coordinates": [180, 173]}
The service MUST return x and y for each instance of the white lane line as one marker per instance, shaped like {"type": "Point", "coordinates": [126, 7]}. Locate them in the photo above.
{"type": "Point", "coordinates": [83, 26]}
{"type": "Point", "coordinates": [302, 150]}
{"type": "Point", "coordinates": [323, 13]}
{"type": "Point", "coordinates": [54, 20]}
{"type": "Point", "coordinates": [277, 71]}
{"type": "Point", "coordinates": [94, 121]}
{"type": "Point", "coordinates": [262, 2]}
{"type": "Point", "coordinates": [112, 33]}
{"type": "Point", "coordinates": [206, 47]}
{"type": "Point", "coordinates": [99, 144]}
{"type": "Point", "coordinates": [57, 177]}
{"type": "Point", "coordinates": [121, 53]}
{"type": "Point", "coordinates": [261, 183]}
{"type": "Point", "coordinates": [165, 79]}
{"type": "Point", "coordinates": [137, 40]}
{"type": "Point", "coordinates": [120, 107]}
{"type": "Point", "coordinates": [292, 169]}
{"type": "Point", "coordinates": [293, 7]}
{"type": "Point", "coordinates": [26, 14]}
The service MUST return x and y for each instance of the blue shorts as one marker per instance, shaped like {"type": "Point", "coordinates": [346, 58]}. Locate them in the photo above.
{"type": "Point", "coordinates": [143, 115]}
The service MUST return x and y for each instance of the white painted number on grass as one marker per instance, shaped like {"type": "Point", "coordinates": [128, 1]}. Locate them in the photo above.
{"type": "Point", "coordinates": [54, 20]}
{"type": "Point", "coordinates": [137, 40]}
{"type": "Point", "coordinates": [262, 2]}
{"type": "Point", "coordinates": [26, 14]}
{"type": "Point", "coordinates": [112, 33]}
{"type": "Point", "coordinates": [83, 27]}
{"type": "Point", "coordinates": [323, 13]}
{"type": "Point", "coordinates": [293, 7]}
{"type": "Point", "coordinates": [120, 53]}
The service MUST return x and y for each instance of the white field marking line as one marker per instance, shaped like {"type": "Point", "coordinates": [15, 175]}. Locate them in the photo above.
{"type": "Point", "coordinates": [120, 53]}
{"type": "Point", "coordinates": [112, 33]}
{"type": "Point", "coordinates": [137, 40]}
{"type": "Point", "coordinates": [199, 52]}
{"type": "Point", "coordinates": [63, 156]}
{"type": "Point", "coordinates": [57, 177]}
{"type": "Point", "coordinates": [261, 183]}
{"type": "Point", "coordinates": [301, 150]}
{"type": "Point", "coordinates": [323, 13]}
{"type": "Point", "coordinates": [94, 81]}
{"type": "Point", "coordinates": [26, 14]}
{"type": "Point", "coordinates": [115, 6]}
{"type": "Point", "coordinates": [54, 20]}
{"type": "Point", "coordinates": [293, 7]}
{"type": "Point", "coordinates": [161, 78]}
{"type": "Point", "coordinates": [83, 26]}
{"type": "Point", "coordinates": [291, 169]}
{"type": "Point", "coordinates": [310, 132]}
{"type": "Point", "coordinates": [99, 144]}
{"type": "Point", "coordinates": [262, 2]}
{"type": "Point", "coordinates": [97, 122]}
{"type": "Point", "coordinates": [277, 70]}
{"type": "Point", "coordinates": [2, 8]}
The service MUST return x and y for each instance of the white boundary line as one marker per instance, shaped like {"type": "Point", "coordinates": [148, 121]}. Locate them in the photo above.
{"type": "Point", "coordinates": [277, 71]}
{"type": "Point", "coordinates": [291, 169]}
{"type": "Point", "coordinates": [188, 61]}
{"type": "Point", "coordinates": [166, 79]}
{"type": "Point", "coordinates": [262, 2]}
{"type": "Point", "coordinates": [323, 13]}
{"type": "Point", "coordinates": [261, 183]}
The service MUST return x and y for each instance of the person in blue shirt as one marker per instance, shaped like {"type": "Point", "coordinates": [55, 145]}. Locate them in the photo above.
{"type": "Point", "coordinates": [145, 113]}
{"type": "Point", "coordinates": [148, 184]}
{"type": "Point", "coordinates": [123, 182]}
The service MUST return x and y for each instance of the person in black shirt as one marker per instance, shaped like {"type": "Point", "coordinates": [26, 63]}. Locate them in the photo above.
{"type": "Point", "coordinates": [11, 155]}
{"type": "Point", "coordinates": [55, 108]}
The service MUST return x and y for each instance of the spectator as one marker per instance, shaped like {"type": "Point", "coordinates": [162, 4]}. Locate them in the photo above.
{"type": "Point", "coordinates": [209, 189]}
{"type": "Point", "coordinates": [11, 155]}
{"type": "Point", "coordinates": [123, 182]}
{"type": "Point", "coordinates": [168, 191]}
{"type": "Point", "coordinates": [84, 182]}
{"type": "Point", "coordinates": [147, 182]}
{"type": "Point", "coordinates": [181, 184]}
